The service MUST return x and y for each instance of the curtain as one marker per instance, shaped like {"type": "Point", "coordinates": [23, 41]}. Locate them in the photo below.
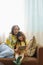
{"type": "Point", "coordinates": [34, 19]}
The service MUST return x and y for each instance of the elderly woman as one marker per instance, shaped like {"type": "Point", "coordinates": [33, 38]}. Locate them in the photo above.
{"type": "Point", "coordinates": [11, 40]}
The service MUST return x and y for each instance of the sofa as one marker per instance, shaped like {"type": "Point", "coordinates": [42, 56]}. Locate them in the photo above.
{"type": "Point", "coordinates": [37, 59]}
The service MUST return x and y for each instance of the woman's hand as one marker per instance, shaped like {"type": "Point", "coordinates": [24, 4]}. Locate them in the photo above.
{"type": "Point", "coordinates": [16, 49]}
{"type": "Point", "coordinates": [26, 48]}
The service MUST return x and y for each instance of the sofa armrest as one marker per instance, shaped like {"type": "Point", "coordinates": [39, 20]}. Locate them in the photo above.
{"type": "Point", "coordinates": [40, 55]}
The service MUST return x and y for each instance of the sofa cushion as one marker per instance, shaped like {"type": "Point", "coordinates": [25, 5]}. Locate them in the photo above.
{"type": "Point", "coordinates": [28, 59]}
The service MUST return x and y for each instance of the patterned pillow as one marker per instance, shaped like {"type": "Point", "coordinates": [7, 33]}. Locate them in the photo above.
{"type": "Point", "coordinates": [32, 48]}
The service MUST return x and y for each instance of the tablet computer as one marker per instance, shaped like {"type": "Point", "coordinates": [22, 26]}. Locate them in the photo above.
{"type": "Point", "coordinates": [22, 47]}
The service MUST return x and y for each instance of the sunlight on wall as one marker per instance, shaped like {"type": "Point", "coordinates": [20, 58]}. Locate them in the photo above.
{"type": "Point", "coordinates": [11, 13]}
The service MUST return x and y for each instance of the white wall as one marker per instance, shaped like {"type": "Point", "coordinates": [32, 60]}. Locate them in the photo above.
{"type": "Point", "coordinates": [11, 12]}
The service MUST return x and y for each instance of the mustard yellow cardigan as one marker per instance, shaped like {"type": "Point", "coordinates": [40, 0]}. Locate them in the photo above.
{"type": "Point", "coordinates": [11, 40]}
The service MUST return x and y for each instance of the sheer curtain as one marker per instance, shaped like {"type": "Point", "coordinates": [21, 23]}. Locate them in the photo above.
{"type": "Point", "coordinates": [34, 19]}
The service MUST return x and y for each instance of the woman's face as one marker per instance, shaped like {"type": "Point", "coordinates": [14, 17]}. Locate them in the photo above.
{"type": "Point", "coordinates": [20, 38]}
{"type": "Point", "coordinates": [16, 30]}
